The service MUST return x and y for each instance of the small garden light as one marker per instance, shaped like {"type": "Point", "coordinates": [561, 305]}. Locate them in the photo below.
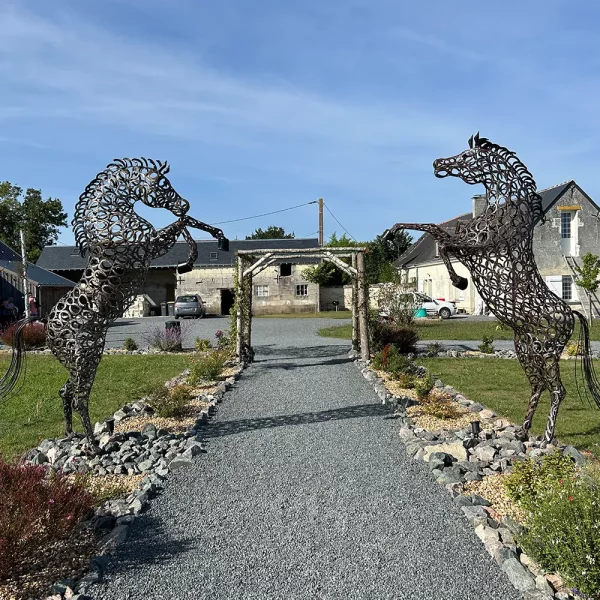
{"type": "Point", "coordinates": [110, 425]}
{"type": "Point", "coordinates": [475, 428]}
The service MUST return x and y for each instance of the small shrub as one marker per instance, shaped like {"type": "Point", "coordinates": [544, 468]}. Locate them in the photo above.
{"type": "Point", "coordinates": [202, 345]}
{"type": "Point", "coordinates": [36, 511]}
{"type": "Point", "coordinates": [403, 338]}
{"type": "Point", "coordinates": [34, 335]}
{"type": "Point", "coordinates": [434, 348]}
{"type": "Point", "coordinates": [392, 362]}
{"type": "Point", "coordinates": [223, 340]}
{"type": "Point", "coordinates": [487, 345]}
{"type": "Point", "coordinates": [440, 407]}
{"type": "Point", "coordinates": [562, 531]}
{"type": "Point", "coordinates": [166, 340]}
{"type": "Point", "coordinates": [406, 381]}
{"type": "Point", "coordinates": [130, 344]}
{"type": "Point", "coordinates": [208, 367]}
{"type": "Point", "coordinates": [170, 402]}
{"type": "Point", "coordinates": [532, 478]}
{"type": "Point", "coordinates": [424, 385]}
{"type": "Point", "coordinates": [574, 349]}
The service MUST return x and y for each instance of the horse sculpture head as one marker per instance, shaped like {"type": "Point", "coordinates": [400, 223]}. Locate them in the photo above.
{"type": "Point", "coordinates": [504, 176]}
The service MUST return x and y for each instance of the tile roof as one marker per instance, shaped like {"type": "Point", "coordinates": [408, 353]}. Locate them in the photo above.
{"type": "Point", "coordinates": [423, 250]}
{"type": "Point", "coordinates": [65, 258]}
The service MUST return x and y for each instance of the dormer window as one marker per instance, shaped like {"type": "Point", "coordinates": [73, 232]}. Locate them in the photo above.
{"type": "Point", "coordinates": [214, 255]}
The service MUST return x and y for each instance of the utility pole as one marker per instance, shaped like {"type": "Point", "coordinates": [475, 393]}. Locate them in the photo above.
{"type": "Point", "coordinates": [320, 222]}
{"type": "Point", "coordinates": [25, 281]}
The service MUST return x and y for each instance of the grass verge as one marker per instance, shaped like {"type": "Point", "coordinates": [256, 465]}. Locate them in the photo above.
{"type": "Point", "coordinates": [330, 314]}
{"type": "Point", "coordinates": [451, 329]}
{"type": "Point", "coordinates": [35, 411]}
{"type": "Point", "coordinates": [502, 386]}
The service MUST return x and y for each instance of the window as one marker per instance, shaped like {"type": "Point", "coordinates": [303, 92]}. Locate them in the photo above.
{"type": "Point", "coordinates": [285, 269]}
{"type": "Point", "coordinates": [565, 224]}
{"type": "Point", "coordinates": [261, 290]}
{"type": "Point", "coordinates": [75, 251]}
{"type": "Point", "coordinates": [302, 290]}
{"type": "Point", "coordinates": [214, 255]}
{"type": "Point", "coordinates": [567, 287]}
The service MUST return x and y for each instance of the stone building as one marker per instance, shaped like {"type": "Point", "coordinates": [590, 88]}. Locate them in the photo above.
{"type": "Point", "coordinates": [570, 229]}
{"type": "Point", "coordinates": [281, 288]}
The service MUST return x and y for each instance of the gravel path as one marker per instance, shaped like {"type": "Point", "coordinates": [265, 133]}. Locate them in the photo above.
{"type": "Point", "coordinates": [306, 492]}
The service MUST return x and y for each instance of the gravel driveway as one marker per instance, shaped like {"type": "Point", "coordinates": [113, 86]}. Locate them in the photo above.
{"type": "Point", "coordinates": [306, 492]}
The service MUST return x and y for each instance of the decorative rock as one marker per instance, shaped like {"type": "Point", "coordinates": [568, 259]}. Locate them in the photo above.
{"type": "Point", "coordinates": [476, 407]}
{"type": "Point", "coordinates": [531, 564]}
{"type": "Point", "coordinates": [541, 583]}
{"type": "Point", "coordinates": [461, 501]}
{"type": "Point", "coordinates": [145, 465]}
{"type": "Point", "coordinates": [115, 538]}
{"type": "Point", "coordinates": [575, 455]}
{"type": "Point", "coordinates": [472, 476]}
{"type": "Point", "coordinates": [518, 575]}
{"type": "Point", "coordinates": [537, 595]}
{"type": "Point", "coordinates": [555, 581]}
{"type": "Point", "coordinates": [475, 515]}
{"type": "Point", "coordinates": [486, 413]}
{"type": "Point", "coordinates": [456, 451]}
{"type": "Point", "coordinates": [179, 463]}
{"type": "Point", "coordinates": [486, 534]}
{"type": "Point", "coordinates": [477, 500]}
{"type": "Point", "coordinates": [562, 596]}
{"type": "Point", "coordinates": [406, 434]}
{"type": "Point", "coordinates": [484, 453]}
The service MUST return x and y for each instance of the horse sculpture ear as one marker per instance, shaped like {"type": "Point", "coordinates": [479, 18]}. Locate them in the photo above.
{"type": "Point", "coordinates": [477, 139]}
{"type": "Point", "coordinates": [471, 142]}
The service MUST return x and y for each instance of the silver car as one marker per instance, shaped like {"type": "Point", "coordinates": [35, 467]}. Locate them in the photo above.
{"type": "Point", "coordinates": [190, 305]}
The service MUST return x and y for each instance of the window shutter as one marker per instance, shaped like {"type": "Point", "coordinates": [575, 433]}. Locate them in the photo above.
{"type": "Point", "coordinates": [554, 282]}
{"type": "Point", "coordinates": [574, 294]}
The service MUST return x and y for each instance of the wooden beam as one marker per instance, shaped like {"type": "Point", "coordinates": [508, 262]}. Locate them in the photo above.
{"type": "Point", "coordinates": [340, 264]}
{"type": "Point", "coordinates": [362, 307]}
{"type": "Point", "coordinates": [278, 251]}
{"type": "Point", "coordinates": [264, 266]}
{"type": "Point", "coordinates": [355, 326]}
{"type": "Point", "coordinates": [239, 293]}
{"type": "Point", "coordinates": [252, 267]}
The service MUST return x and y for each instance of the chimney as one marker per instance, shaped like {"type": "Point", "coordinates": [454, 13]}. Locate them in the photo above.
{"type": "Point", "coordinates": [480, 203]}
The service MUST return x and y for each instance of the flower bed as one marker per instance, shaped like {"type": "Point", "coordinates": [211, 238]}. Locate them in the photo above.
{"type": "Point", "coordinates": [137, 449]}
{"type": "Point", "coordinates": [474, 470]}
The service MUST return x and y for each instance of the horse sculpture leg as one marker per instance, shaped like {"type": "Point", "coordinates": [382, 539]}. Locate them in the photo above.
{"type": "Point", "coordinates": [82, 382]}
{"type": "Point", "coordinates": [557, 395]}
{"type": "Point", "coordinates": [66, 393]}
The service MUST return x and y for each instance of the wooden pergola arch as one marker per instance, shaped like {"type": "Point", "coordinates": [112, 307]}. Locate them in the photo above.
{"type": "Point", "coordinates": [253, 262]}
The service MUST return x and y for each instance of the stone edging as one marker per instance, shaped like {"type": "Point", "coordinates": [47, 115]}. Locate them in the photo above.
{"type": "Point", "coordinates": [152, 452]}
{"type": "Point", "coordinates": [494, 454]}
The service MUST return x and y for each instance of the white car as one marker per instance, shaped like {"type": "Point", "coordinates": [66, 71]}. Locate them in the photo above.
{"type": "Point", "coordinates": [437, 308]}
{"type": "Point", "coordinates": [434, 308]}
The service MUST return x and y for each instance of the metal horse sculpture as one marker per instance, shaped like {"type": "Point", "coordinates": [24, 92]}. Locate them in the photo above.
{"type": "Point", "coordinates": [120, 246]}
{"type": "Point", "coordinates": [496, 247]}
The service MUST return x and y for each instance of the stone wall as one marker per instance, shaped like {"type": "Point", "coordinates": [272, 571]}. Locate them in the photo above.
{"type": "Point", "coordinates": [282, 298]}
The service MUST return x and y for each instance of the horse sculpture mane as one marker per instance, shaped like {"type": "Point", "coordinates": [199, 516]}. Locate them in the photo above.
{"type": "Point", "coordinates": [111, 190]}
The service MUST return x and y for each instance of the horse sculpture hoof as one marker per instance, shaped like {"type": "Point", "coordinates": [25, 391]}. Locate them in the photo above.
{"type": "Point", "coordinates": [461, 283]}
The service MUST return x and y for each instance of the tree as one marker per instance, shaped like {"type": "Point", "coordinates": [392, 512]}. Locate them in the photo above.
{"type": "Point", "coordinates": [327, 273]}
{"type": "Point", "coordinates": [272, 232]}
{"type": "Point", "coordinates": [588, 276]}
{"type": "Point", "coordinates": [39, 219]}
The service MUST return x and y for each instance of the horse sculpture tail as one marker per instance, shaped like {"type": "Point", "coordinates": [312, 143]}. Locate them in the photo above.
{"type": "Point", "coordinates": [11, 377]}
{"type": "Point", "coordinates": [589, 374]}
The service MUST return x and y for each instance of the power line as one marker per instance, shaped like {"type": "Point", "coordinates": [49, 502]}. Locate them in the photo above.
{"type": "Point", "coordinates": [328, 209]}
{"type": "Point", "coordinates": [265, 214]}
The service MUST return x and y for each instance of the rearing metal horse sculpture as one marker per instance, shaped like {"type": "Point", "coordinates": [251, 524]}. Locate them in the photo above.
{"type": "Point", "coordinates": [497, 248]}
{"type": "Point", "coordinates": [120, 246]}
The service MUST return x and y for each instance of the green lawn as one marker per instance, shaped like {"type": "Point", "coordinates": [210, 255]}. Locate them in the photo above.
{"type": "Point", "coordinates": [330, 314]}
{"type": "Point", "coordinates": [502, 386]}
{"type": "Point", "coordinates": [35, 411]}
{"type": "Point", "coordinates": [451, 329]}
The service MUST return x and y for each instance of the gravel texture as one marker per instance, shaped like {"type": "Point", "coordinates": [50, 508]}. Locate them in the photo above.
{"type": "Point", "coordinates": [306, 493]}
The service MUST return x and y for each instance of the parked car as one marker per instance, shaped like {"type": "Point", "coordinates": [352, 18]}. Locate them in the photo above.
{"type": "Point", "coordinates": [190, 305]}
{"type": "Point", "coordinates": [434, 308]}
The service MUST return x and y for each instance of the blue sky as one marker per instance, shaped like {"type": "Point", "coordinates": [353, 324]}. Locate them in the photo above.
{"type": "Point", "coordinates": [263, 105]}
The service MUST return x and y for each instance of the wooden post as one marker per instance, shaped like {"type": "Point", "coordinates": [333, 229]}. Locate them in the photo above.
{"type": "Point", "coordinates": [355, 325]}
{"type": "Point", "coordinates": [249, 290]}
{"type": "Point", "coordinates": [239, 293]}
{"type": "Point", "coordinates": [362, 307]}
